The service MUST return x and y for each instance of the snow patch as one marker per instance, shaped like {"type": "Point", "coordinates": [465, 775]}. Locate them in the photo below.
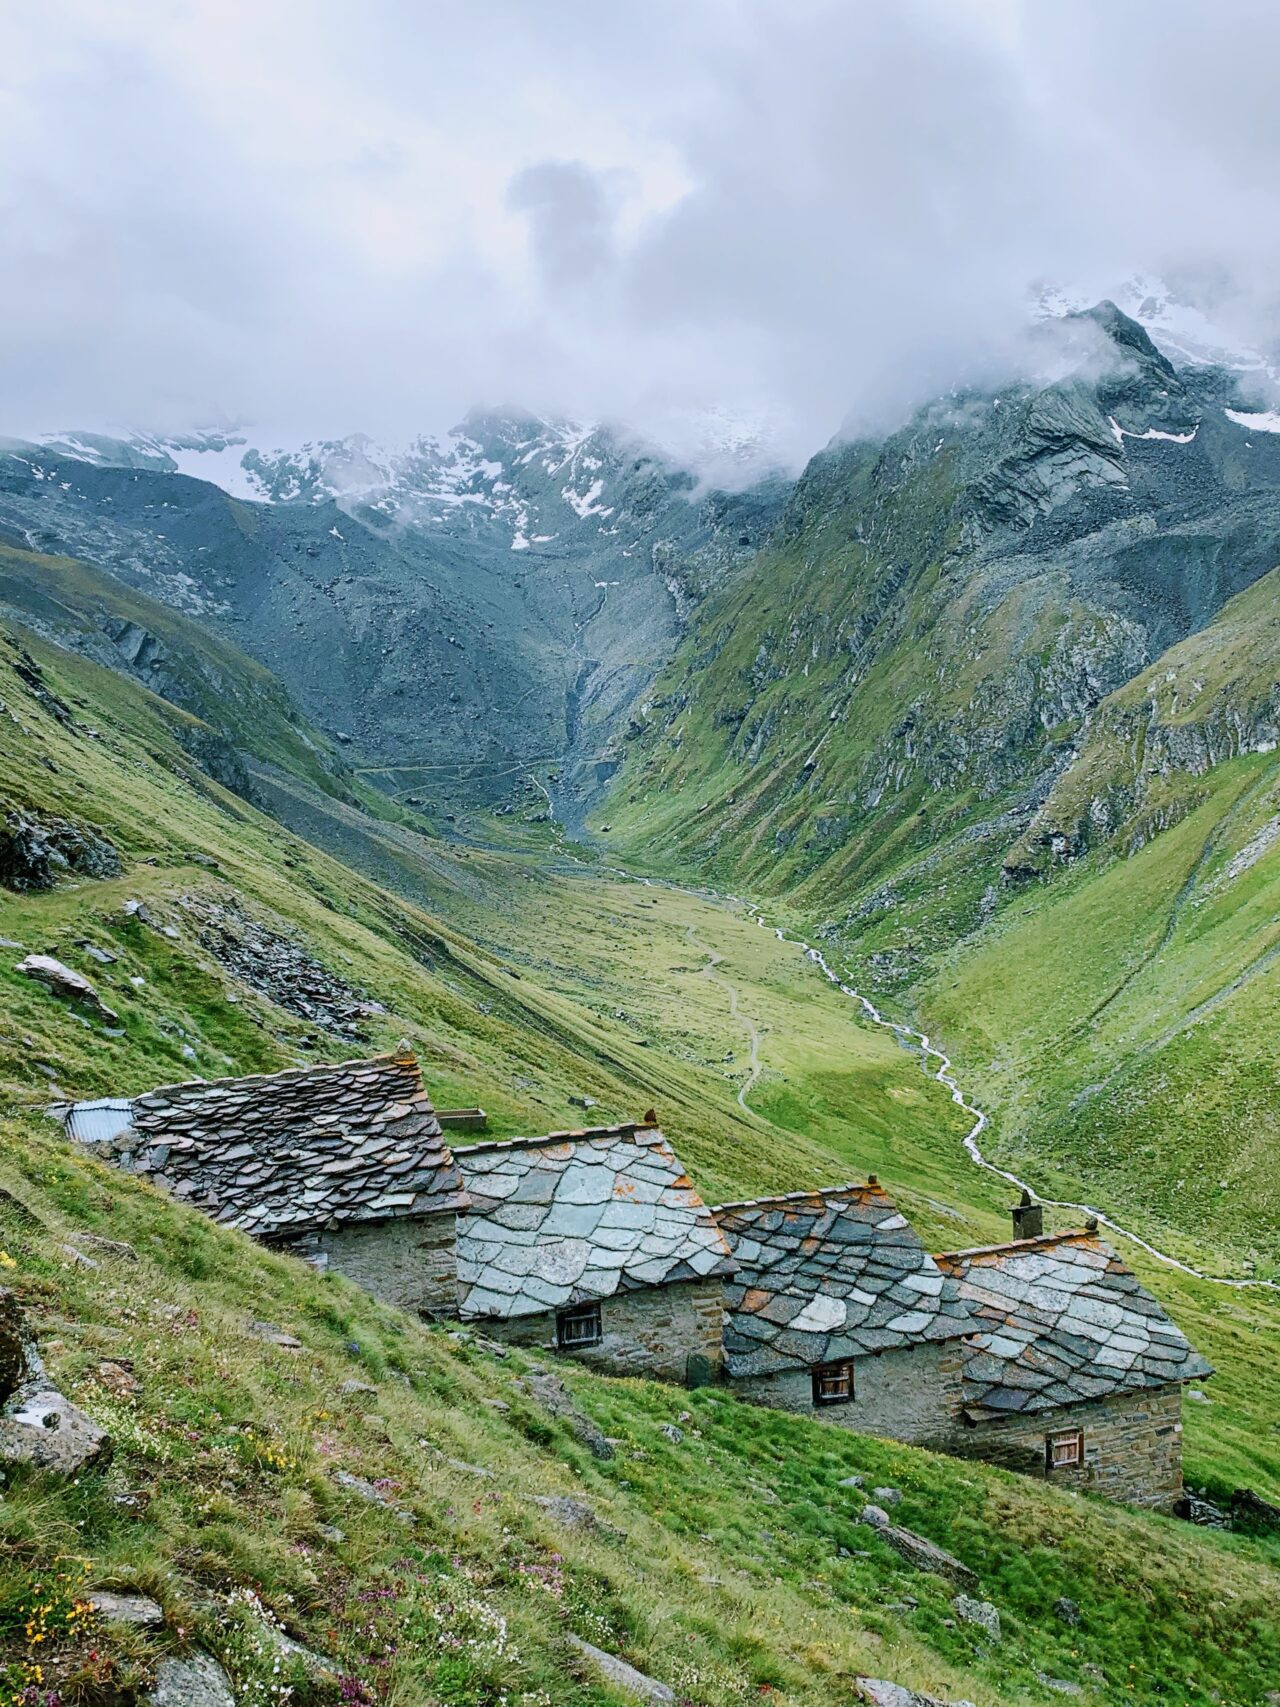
{"type": "Point", "coordinates": [587, 503]}
{"type": "Point", "coordinates": [1122, 433]}
{"type": "Point", "coordinates": [1263, 421]}
{"type": "Point", "coordinates": [220, 464]}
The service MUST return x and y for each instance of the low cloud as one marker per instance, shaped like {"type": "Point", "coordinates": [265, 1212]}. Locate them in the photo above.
{"type": "Point", "coordinates": [794, 213]}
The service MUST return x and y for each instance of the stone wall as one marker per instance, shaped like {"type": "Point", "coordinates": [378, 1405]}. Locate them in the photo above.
{"type": "Point", "coordinates": [411, 1263]}
{"type": "Point", "coordinates": [912, 1394]}
{"type": "Point", "coordinates": [671, 1333]}
{"type": "Point", "coordinates": [1132, 1445]}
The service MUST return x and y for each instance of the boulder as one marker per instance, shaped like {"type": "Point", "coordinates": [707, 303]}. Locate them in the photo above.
{"type": "Point", "coordinates": [126, 1609]}
{"type": "Point", "coordinates": [197, 1681]}
{"type": "Point", "coordinates": [887, 1496]}
{"type": "Point", "coordinates": [623, 1677]}
{"type": "Point", "coordinates": [879, 1692]}
{"type": "Point", "coordinates": [360, 1486]}
{"type": "Point", "coordinates": [116, 1375]}
{"type": "Point", "coordinates": [1066, 1609]}
{"type": "Point", "coordinates": [71, 986]}
{"type": "Point", "coordinates": [979, 1612]}
{"type": "Point", "coordinates": [552, 1394]}
{"type": "Point", "coordinates": [275, 1336]}
{"type": "Point", "coordinates": [576, 1514]}
{"type": "Point", "coordinates": [315, 1665]}
{"type": "Point", "coordinates": [924, 1555]}
{"type": "Point", "coordinates": [39, 1426]}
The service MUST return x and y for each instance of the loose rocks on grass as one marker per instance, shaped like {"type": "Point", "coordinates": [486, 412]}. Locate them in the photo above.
{"type": "Point", "coordinates": [61, 981]}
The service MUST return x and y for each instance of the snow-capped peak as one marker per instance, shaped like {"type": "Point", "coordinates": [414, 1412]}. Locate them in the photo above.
{"type": "Point", "coordinates": [1181, 329]}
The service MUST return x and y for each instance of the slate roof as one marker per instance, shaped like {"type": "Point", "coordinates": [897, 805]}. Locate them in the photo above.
{"type": "Point", "coordinates": [1061, 1321]}
{"type": "Point", "coordinates": [578, 1216]}
{"type": "Point", "coordinates": [828, 1275]}
{"type": "Point", "coordinates": [282, 1154]}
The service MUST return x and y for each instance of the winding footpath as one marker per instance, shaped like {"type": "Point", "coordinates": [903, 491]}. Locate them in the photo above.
{"type": "Point", "coordinates": [945, 1077]}
{"type": "Point", "coordinates": [753, 1030]}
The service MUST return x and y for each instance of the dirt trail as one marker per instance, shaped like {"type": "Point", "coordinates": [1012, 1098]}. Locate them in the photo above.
{"type": "Point", "coordinates": [752, 1029]}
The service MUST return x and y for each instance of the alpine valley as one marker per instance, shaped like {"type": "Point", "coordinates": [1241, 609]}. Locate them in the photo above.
{"type": "Point", "coordinates": [552, 752]}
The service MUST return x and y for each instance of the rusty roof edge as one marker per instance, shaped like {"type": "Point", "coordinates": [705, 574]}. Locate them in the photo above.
{"type": "Point", "coordinates": [872, 1187]}
{"type": "Point", "coordinates": [1043, 1241]}
{"type": "Point", "coordinates": [652, 1135]}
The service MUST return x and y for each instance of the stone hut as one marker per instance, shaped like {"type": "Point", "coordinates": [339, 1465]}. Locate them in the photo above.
{"type": "Point", "coordinates": [1075, 1373]}
{"type": "Point", "coordinates": [344, 1164]}
{"type": "Point", "coordinates": [838, 1310]}
{"type": "Point", "coordinates": [594, 1244]}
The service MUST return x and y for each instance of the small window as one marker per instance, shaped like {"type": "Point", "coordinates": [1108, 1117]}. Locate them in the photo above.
{"type": "Point", "coordinates": [1061, 1451]}
{"type": "Point", "coordinates": [833, 1384]}
{"type": "Point", "coordinates": [576, 1328]}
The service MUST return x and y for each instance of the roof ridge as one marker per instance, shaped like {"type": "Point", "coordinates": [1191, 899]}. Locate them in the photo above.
{"type": "Point", "coordinates": [1041, 1240]}
{"type": "Point", "coordinates": [870, 1185]}
{"type": "Point", "coordinates": [311, 1069]}
{"type": "Point", "coordinates": [627, 1128]}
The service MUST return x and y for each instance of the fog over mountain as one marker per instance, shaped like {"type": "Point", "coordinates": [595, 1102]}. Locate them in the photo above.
{"type": "Point", "coordinates": [793, 214]}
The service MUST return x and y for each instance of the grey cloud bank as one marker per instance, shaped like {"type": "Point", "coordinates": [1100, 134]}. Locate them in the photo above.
{"type": "Point", "coordinates": [314, 218]}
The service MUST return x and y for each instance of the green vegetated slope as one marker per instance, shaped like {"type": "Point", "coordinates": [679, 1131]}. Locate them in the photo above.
{"type": "Point", "coordinates": [996, 716]}
{"type": "Point", "coordinates": [744, 1570]}
{"type": "Point", "coordinates": [236, 709]}
{"type": "Point", "coordinates": [1122, 1018]}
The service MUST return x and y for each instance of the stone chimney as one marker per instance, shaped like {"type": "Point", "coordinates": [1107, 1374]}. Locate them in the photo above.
{"type": "Point", "coordinates": [1028, 1217]}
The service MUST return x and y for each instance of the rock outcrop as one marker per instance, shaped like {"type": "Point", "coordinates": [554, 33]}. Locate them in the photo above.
{"type": "Point", "coordinates": [34, 853]}
{"type": "Point", "coordinates": [623, 1677]}
{"type": "Point", "coordinates": [38, 1425]}
{"type": "Point", "coordinates": [197, 1681]}
{"type": "Point", "coordinates": [278, 967]}
{"type": "Point", "coordinates": [879, 1692]}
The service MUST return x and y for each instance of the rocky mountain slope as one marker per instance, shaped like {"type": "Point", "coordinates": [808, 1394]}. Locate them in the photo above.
{"type": "Point", "coordinates": [995, 713]}
{"type": "Point", "coordinates": [927, 635]}
{"type": "Point", "coordinates": [463, 615]}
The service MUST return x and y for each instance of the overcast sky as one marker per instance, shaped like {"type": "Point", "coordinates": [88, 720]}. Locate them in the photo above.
{"type": "Point", "coordinates": [316, 216]}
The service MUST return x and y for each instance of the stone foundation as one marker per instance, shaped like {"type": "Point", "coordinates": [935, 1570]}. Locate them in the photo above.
{"type": "Point", "coordinates": [1132, 1446]}
{"type": "Point", "coordinates": [670, 1333]}
{"type": "Point", "coordinates": [409, 1263]}
{"type": "Point", "coordinates": [912, 1394]}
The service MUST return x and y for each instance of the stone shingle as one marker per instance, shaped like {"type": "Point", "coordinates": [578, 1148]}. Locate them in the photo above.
{"type": "Point", "coordinates": [1061, 1320]}
{"type": "Point", "coordinates": [577, 1216]}
{"type": "Point", "coordinates": [283, 1154]}
{"type": "Point", "coordinates": [828, 1275]}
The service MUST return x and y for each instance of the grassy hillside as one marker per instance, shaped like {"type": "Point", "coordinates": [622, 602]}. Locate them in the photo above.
{"type": "Point", "coordinates": [229, 700]}
{"type": "Point", "coordinates": [744, 1572]}
{"type": "Point", "coordinates": [908, 746]}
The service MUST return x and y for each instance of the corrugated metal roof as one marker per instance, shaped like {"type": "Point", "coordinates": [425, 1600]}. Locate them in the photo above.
{"type": "Point", "coordinates": [95, 1122]}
